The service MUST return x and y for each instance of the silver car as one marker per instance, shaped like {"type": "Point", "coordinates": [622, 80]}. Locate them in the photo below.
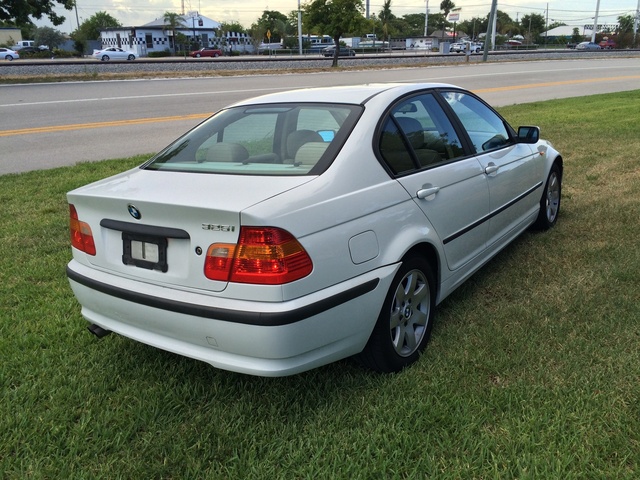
{"type": "Point", "coordinates": [298, 228]}
{"type": "Point", "coordinates": [588, 46]}
{"type": "Point", "coordinates": [8, 54]}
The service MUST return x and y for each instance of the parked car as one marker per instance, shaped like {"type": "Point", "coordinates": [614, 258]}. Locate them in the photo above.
{"type": "Point", "coordinates": [344, 51]}
{"type": "Point", "coordinates": [8, 54]}
{"type": "Point", "coordinates": [34, 51]}
{"type": "Point", "coordinates": [461, 47]}
{"type": "Point", "coordinates": [298, 228]}
{"type": "Point", "coordinates": [608, 44]}
{"type": "Point", "coordinates": [588, 46]}
{"type": "Point", "coordinates": [206, 52]}
{"type": "Point", "coordinates": [24, 50]}
{"type": "Point", "coordinates": [114, 53]}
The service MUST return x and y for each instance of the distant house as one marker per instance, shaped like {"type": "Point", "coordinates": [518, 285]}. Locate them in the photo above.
{"type": "Point", "coordinates": [418, 42]}
{"type": "Point", "coordinates": [155, 36]}
{"type": "Point", "coordinates": [566, 31]}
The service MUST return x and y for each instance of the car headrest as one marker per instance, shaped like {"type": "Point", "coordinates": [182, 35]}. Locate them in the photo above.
{"type": "Point", "coordinates": [298, 138]}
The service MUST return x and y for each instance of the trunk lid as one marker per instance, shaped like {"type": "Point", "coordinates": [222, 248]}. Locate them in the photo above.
{"type": "Point", "coordinates": [156, 226]}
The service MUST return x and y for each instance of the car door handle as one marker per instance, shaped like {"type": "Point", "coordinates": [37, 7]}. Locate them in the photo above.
{"type": "Point", "coordinates": [491, 169]}
{"type": "Point", "coordinates": [427, 192]}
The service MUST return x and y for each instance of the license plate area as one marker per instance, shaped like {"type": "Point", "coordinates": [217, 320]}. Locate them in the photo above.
{"type": "Point", "coordinates": [145, 251]}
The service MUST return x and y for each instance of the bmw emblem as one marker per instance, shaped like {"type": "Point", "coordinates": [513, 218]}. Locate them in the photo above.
{"type": "Point", "coordinates": [134, 212]}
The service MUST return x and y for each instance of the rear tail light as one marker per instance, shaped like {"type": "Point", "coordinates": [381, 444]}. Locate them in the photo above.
{"type": "Point", "coordinates": [263, 255]}
{"type": "Point", "coordinates": [81, 236]}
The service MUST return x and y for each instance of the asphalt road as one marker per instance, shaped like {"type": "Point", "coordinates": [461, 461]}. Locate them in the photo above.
{"type": "Point", "coordinates": [50, 125]}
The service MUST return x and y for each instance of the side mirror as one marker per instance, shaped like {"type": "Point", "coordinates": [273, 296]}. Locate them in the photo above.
{"type": "Point", "coordinates": [528, 134]}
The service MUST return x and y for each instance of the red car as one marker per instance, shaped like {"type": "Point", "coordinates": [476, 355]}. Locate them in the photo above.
{"type": "Point", "coordinates": [607, 44]}
{"type": "Point", "coordinates": [206, 52]}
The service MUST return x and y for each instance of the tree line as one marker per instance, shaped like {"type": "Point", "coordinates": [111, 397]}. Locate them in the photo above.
{"type": "Point", "coordinates": [337, 18]}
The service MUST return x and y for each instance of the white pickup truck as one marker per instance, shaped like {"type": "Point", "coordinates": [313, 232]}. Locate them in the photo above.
{"type": "Point", "coordinates": [461, 47]}
{"type": "Point", "coordinates": [27, 43]}
{"type": "Point", "coordinates": [22, 44]}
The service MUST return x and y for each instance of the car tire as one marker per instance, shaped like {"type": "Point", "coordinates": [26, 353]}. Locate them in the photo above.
{"type": "Point", "coordinates": [9, 58]}
{"type": "Point", "coordinates": [404, 325]}
{"type": "Point", "coordinates": [105, 58]}
{"type": "Point", "coordinates": [197, 55]}
{"type": "Point", "coordinates": [550, 201]}
{"type": "Point", "coordinates": [131, 57]}
{"type": "Point", "coordinates": [215, 55]}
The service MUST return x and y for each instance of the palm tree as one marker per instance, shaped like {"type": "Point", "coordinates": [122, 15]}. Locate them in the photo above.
{"type": "Point", "coordinates": [173, 21]}
{"type": "Point", "coordinates": [446, 6]}
{"type": "Point", "coordinates": [386, 16]}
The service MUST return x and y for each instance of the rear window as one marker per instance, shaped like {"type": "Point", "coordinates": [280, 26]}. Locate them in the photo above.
{"type": "Point", "coordinates": [277, 139]}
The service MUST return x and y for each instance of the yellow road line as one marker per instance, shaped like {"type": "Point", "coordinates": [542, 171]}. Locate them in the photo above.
{"type": "Point", "coordinates": [118, 123]}
{"type": "Point", "coordinates": [202, 116]}
{"type": "Point", "coordinates": [557, 84]}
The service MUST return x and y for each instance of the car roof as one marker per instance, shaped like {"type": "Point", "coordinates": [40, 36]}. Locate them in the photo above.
{"type": "Point", "coordinates": [352, 94]}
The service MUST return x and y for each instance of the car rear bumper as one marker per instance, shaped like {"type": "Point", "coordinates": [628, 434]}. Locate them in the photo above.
{"type": "Point", "coordinates": [258, 338]}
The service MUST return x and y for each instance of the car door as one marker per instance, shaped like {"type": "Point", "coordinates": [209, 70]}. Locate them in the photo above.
{"type": "Point", "coordinates": [513, 170]}
{"type": "Point", "coordinates": [423, 151]}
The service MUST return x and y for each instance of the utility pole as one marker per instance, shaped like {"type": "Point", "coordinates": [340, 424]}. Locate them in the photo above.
{"type": "Point", "coordinates": [595, 23]}
{"type": "Point", "coordinates": [300, 29]}
{"type": "Point", "coordinates": [75, 5]}
{"type": "Point", "coordinates": [426, 19]}
{"type": "Point", "coordinates": [492, 16]}
{"type": "Point", "coordinates": [546, 27]}
{"type": "Point", "coordinates": [494, 30]}
{"type": "Point", "coordinates": [635, 25]}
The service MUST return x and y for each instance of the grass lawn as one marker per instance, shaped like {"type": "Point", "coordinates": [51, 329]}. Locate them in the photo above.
{"type": "Point", "coordinates": [533, 370]}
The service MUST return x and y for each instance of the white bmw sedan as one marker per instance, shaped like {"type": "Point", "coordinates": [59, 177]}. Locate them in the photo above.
{"type": "Point", "coordinates": [295, 229]}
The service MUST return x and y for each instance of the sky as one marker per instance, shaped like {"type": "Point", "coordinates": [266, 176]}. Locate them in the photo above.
{"type": "Point", "coordinates": [139, 12]}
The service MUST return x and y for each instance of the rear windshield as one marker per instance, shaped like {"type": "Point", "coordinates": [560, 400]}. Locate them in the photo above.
{"type": "Point", "coordinates": [277, 139]}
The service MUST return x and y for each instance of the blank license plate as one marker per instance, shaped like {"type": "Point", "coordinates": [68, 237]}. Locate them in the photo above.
{"type": "Point", "coordinates": [147, 251]}
{"type": "Point", "coordinates": [144, 252]}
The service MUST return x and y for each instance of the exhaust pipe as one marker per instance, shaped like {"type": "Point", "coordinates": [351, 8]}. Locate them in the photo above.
{"type": "Point", "coordinates": [98, 331]}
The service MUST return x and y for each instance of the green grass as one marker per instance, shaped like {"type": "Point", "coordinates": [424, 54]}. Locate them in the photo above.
{"type": "Point", "coordinates": [533, 371]}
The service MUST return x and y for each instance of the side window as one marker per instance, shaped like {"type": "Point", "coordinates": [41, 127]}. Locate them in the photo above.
{"type": "Point", "coordinates": [316, 119]}
{"type": "Point", "coordinates": [393, 149]}
{"type": "Point", "coordinates": [486, 129]}
{"type": "Point", "coordinates": [418, 134]}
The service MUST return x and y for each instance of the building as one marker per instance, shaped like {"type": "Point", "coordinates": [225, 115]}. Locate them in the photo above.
{"type": "Point", "coordinates": [421, 42]}
{"type": "Point", "coordinates": [156, 37]}
{"type": "Point", "coordinates": [9, 36]}
{"type": "Point", "coordinates": [566, 32]}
